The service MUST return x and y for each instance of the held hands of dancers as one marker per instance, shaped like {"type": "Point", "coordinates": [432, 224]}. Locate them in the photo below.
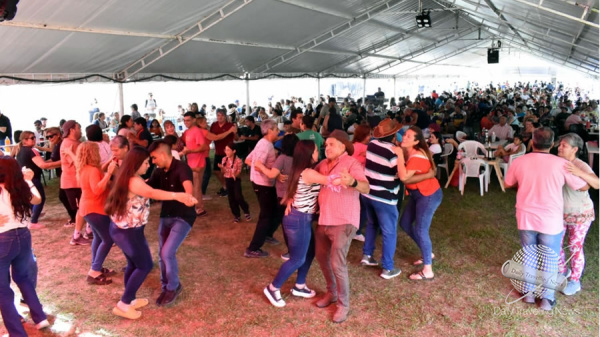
{"type": "Point", "coordinates": [282, 178]}
{"type": "Point", "coordinates": [27, 175]}
{"type": "Point", "coordinates": [111, 167]}
{"type": "Point", "coordinates": [399, 152]}
{"type": "Point", "coordinates": [346, 179]}
{"type": "Point", "coordinates": [184, 198]}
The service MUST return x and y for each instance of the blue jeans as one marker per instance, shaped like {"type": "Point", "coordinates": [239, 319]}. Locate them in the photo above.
{"type": "Point", "coordinates": [551, 262]}
{"type": "Point", "coordinates": [171, 233]}
{"type": "Point", "coordinates": [206, 176]}
{"type": "Point", "coordinates": [386, 217]}
{"type": "Point", "coordinates": [139, 260]}
{"type": "Point", "coordinates": [15, 252]}
{"type": "Point", "coordinates": [301, 245]}
{"type": "Point", "coordinates": [37, 209]}
{"type": "Point", "coordinates": [419, 210]}
{"type": "Point", "coordinates": [102, 242]}
{"type": "Point", "coordinates": [363, 215]}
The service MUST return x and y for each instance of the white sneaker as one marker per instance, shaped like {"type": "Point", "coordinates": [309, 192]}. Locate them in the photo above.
{"type": "Point", "coordinates": [42, 325]}
{"type": "Point", "coordinates": [274, 297]}
{"type": "Point", "coordinates": [359, 237]}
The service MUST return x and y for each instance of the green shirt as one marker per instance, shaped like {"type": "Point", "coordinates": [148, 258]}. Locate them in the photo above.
{"type": "Point", "coordinates": [314, 136]}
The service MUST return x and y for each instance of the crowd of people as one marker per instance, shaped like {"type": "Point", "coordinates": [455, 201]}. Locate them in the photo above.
{"type": "Point", "coordinates": [345, 167]}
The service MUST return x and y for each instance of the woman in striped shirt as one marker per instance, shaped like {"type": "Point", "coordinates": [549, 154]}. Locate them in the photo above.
{"type": "Point", "coordinates": [304, 186]}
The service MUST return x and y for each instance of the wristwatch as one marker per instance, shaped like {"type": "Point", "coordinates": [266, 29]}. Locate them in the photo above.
{"type": "Point", "coordinates": [354, 184]}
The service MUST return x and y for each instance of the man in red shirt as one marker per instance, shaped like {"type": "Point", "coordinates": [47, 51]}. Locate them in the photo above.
{"type": "Point", "coordinates": [195, 148]}
{"type": "Point", "coordinates": [219, 127]}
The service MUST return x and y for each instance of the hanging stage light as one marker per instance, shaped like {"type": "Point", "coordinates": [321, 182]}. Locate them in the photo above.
{"type": "Point", "coordinates": [423, 20]}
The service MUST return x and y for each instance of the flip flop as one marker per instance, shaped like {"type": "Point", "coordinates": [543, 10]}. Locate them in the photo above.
{"type": "Point", "coordinates": [130, 314]}
{"type": "Point", "coordinates": [421, 276]}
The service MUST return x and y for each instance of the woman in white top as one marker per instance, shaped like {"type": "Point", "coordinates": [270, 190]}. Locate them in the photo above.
{"type": "Point", "coordinates": [304, 186]}
{"type": "Point", "coordinates": [578, 210]}
{"type": "Point", "coordinates": [17, 194]}
{"type": "Point", "coordinates": [128, 205]}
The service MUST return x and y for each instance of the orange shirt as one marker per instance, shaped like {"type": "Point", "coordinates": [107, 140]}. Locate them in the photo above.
{"type": "Point", "coordinates": [92, 198]}
{"type": "Point", "coordinates": [422, 165]}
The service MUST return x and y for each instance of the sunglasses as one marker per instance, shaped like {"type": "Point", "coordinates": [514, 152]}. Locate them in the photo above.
{"type": "Point", "coordinates": [50, 136]}
{"type": "Point", "coordinates": [30, 138]}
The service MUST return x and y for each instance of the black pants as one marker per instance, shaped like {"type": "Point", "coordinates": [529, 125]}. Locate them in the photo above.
{"type": "Point", "coordinates": [235, 196]}
{"type": "Point", "coordinates": [280, 212]}
{"type": "Point", "coordinates": [62, 196]}
{"type": "Point", "coordinates": [267, 220]}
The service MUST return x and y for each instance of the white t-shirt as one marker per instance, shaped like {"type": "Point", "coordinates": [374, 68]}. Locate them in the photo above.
{"type": "Point", "coordinates": [435, 148]}
{"type": "Point", "coordinates": [7, 210]}
{"type": "Point", "coordinates": [578, 202]}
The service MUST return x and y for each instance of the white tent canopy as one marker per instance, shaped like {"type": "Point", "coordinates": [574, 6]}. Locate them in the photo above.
{"type": "Point", "coordinates": [128, 40]}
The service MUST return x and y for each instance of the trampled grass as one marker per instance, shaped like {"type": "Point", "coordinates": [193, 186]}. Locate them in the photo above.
{"type": "Point", "coordinates": [472, 237]}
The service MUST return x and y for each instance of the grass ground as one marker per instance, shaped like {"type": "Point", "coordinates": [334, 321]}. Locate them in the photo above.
{"type": "Point", "coordinates": [472, 237]}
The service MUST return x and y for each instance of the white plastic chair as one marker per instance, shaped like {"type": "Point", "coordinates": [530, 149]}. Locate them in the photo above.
{"type": "Point", "coordinates": [471, 168]}
{"type": "Point", "coordinates": [470, 147]}
{"type": "Point", "coordinates": [461, 136]}
{"type": "Point", "coordinates": [448, 149]}
{"type": "Point", "coordinates": [504, 166]}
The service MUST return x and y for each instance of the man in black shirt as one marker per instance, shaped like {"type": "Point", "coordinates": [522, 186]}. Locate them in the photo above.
{"type": "Point", "coordinates": [5, 128]}
{"type": "Point", "coordinates": [176, 219]}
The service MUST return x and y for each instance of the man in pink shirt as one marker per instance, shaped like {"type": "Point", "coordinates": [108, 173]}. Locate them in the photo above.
{"type": "Point", "coordinates": [338, 220]}
{"type": "Point", "coordinates": [540, 202]}
{"type": "Point", "coordinates": [195, 149]}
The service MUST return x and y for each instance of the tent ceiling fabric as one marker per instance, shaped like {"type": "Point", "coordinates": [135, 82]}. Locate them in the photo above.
{"type": "Point", "coordinates": [87, 36]}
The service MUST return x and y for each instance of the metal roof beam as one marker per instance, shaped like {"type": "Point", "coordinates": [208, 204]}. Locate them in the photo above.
{"type": "Point", "coordinates": [332, 12]}
{"type": "Point", "coordinates": [555, 12]}
{"type": "Point", "coordinates": [547, 52]}
{"type": "Point", "coordinates": [382, 45]}
{"type": "Point", "coordinates": [324, 37]}
{"type": "Point", "coordinates": [525, 22]}
{"type": "Point", "coordinates": [552, 59]}
{"type": "Point", "coordinates": [586, 14]}
{"type": "Point", "coordinates": [182, 38]}
{"type": "Point", "coordinates": [533, 40]}
{"type": "Point", "coordinates": [503, 19]}
{"type": "Point", "coordinates": [437, 61]}
{"type": "Point", "coordinates": [532, 34]}
{"type": "Point", "coordinates": [424, 50]}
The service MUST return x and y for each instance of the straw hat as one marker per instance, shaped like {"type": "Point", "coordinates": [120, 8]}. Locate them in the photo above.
{"type": "Point", "coordinates": [386, 127]}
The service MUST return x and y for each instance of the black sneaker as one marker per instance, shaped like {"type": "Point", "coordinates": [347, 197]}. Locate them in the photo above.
{"type": "Point", "coordinates": [272, 241]}
{"type": "Point", "coordinates": [236, 220]}
{"type": "Point", "coordinates": [201, 214]}
{"type": "Point", "coordinates": [368, 260]}
{"type": "Point", "coordinates": [161, 296]}
{"type": "Point", "coordinates": [219, 192]}
{"type": "Point", "coordinates": [255, 253]}
{"type": "Point", "coordinates": [171, 295]}
{"type": "Point", "coordinates": [248, 217]}
{"type": "Point", "coordinates": [223, 194]}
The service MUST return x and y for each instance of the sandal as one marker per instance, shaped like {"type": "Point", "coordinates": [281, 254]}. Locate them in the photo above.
{"type": "Point", "coordinates": [421, 277]}
{"type": "Point", "coordinates": [108, 272]}
{"type": "Point", "coordinates": [420, 261]}
{"type": "Point", "coordinates": [100, 280]}
{"type": "Point", "coordinates": [131, 313]}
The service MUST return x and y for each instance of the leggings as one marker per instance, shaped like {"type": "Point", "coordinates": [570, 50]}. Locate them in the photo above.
{"type": "Point", "coordinates": [577, 235]}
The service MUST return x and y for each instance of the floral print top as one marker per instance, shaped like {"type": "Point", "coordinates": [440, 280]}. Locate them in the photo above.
{"type": "Point", "coordinates": [138, 210]}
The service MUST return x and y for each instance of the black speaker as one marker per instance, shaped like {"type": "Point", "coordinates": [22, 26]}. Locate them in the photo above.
{"type": "Point", "coordinates": [493, 56]}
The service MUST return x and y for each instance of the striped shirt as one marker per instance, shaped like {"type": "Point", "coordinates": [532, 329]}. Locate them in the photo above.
{"type": "Point", "coordinates": [381, 170]}
{"type": "Point", "coordinates": [305, 199]}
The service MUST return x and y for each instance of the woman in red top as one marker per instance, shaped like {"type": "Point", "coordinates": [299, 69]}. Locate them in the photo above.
{"type": "Point", "coordinates": [425, 196]}
{"type": "Point", "coordinates": [91, 206]}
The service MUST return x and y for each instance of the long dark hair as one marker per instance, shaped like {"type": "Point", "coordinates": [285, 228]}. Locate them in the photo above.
{"type": "Point", "coordinates": [20, 194]}
{"type": "Point", "coordinates": [116, 203]}
{"type": "Point", "coordinates": [123, 124]}
{"type": "Point", "coordinates": [422, 145]}
{"type": "Point", "coordinates": [303, 159]}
